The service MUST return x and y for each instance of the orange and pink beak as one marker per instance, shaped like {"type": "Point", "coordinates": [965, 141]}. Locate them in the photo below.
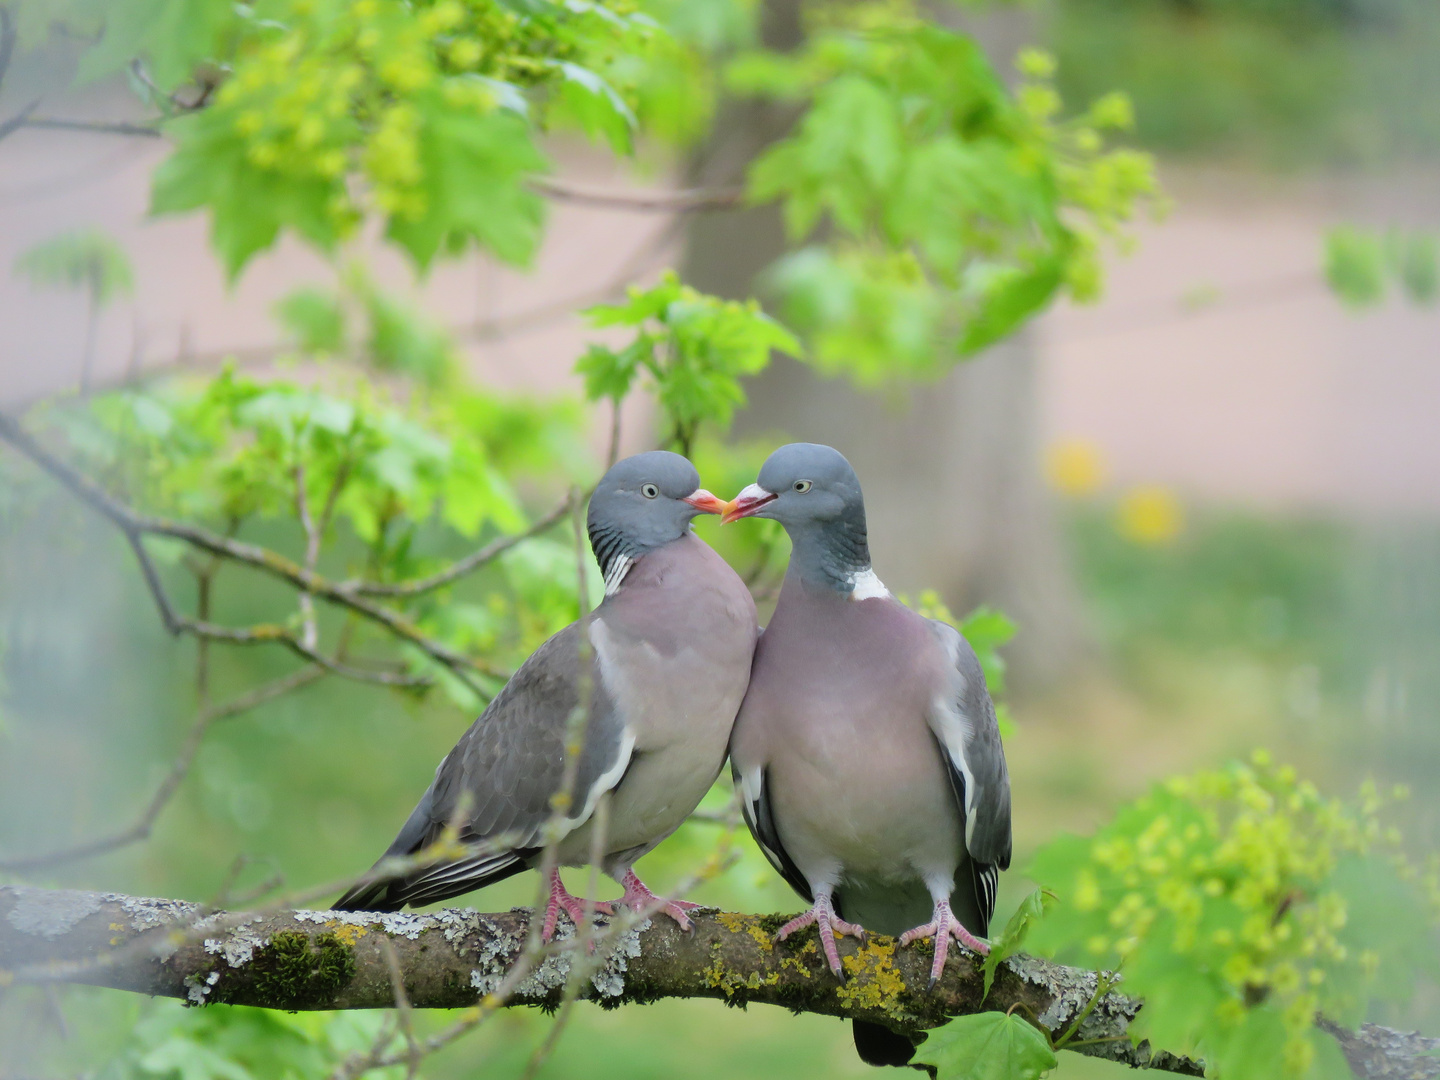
{"type": "Point", "coordinates": [746, 503]}
{"type": "Point", "coordinates": [706, 503]}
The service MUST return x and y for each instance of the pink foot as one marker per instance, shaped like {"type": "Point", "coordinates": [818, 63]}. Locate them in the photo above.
{"type": "Point", "coordinates": [830, 924]}
{"type": "Point", "coordinates": [942, 928]}
{"type": "Point", "coordinates": [638, 898]}
{"type": "Point", "coordinates": [560, 899]}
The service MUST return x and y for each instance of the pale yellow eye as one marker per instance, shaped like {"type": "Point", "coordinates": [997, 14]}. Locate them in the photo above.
{"type": "Point", "coordinates": [802, 486]}
{"type": "Point", "coordinates": [649, 490]}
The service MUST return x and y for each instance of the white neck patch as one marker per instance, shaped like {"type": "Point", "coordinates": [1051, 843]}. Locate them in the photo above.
{"type": "Point", "coordinates": [867, 585]}
{"type": "Point", "coordinates": [619, 567]}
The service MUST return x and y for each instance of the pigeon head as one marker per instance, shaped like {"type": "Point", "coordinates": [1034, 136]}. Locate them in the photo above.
{"type": "Point", "coordinates": [814, 493]}
{"type": "Point", "coordinates": [643, 503]}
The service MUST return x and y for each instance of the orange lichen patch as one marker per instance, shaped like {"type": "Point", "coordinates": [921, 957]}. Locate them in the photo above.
{"type": "Point", "coordinates": [737, 923]}
{"type": "Point", "coordinates": [873, 981]}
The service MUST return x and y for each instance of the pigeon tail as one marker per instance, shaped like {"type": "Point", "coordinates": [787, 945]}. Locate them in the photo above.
{"type": "Point", "coordinates": [878, 1045]}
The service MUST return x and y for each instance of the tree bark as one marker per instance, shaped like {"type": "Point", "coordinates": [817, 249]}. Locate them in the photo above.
{"type": "Point", "coordinates": [303, 960]}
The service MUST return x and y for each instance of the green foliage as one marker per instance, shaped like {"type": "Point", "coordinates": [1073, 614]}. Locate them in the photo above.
{"type": "Point", "coordinates": [958, 209]}
{"type": "Point", "coordinates": [1030, 911]}
{"type": "Point", "coordinates": [1239, 903]}
{"type": "Point", "coordinates": [1361, 265]}
{"type": "Point", "coordinates": [317, 114]}
{"type": "Point", "coordinates": [693, 348]}
{"type": "Point", "coordinates": [235, 1043]}
{"type": "Point", "coordinates": [988, 1046]}
{"type": "Point", "coordinates": [85, 259]}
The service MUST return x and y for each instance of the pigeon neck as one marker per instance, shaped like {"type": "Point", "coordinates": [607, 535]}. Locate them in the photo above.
{"type": "Point", "coordinates": [616, 552]}
{"type": "Point", "coordinates": [834, 555]}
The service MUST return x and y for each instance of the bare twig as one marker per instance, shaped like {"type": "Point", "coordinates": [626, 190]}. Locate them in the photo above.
{"type": "Point", "coordinates": [179, 768]}
{"type": "Point", "coordinates": [99, 127]}
{"type": "Point", "coordinates": [19, 120]}
{"type": "Point", "coordinates": [460, 567]}
{"type": "Point", "coordinates": [310, 632]}
{"type": "Point", "coordinates": [402, 1009]}
{"type": "Point", "coordinates": [683, 201]}
{"type": "Point", "coordinates": [8, 34]}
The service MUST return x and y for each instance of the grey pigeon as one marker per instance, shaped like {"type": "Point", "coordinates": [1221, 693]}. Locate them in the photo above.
{"type": "Point", "coordinates": [668, 662]}
{"type": "Point", "coordinates": [866, 748]}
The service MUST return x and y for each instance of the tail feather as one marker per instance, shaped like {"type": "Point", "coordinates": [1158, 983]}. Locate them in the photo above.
{"type": "Point", "coordinates": [878, 1045]}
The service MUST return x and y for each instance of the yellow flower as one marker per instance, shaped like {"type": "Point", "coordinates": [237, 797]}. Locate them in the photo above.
{"type": "Point", "coordinates": [1149, 514]}
{"type": "Point", "coordinates": [1074, 467]}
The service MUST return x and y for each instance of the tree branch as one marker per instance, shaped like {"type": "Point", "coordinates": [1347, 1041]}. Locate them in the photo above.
{"type": "Point", "coordinates": [133, 524]}
{"type": "Point", "coordinates": [460, 567]}
{"type": "Point", "coordinates": [179, 768]}
{"type": "Point", "coordinates": [452, 959]}
{"type": "Point", "coordinates": [683, 201]}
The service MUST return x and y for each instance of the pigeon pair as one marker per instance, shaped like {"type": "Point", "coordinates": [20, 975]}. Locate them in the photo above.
{"type": "Point", "coordinates": [860, 734]}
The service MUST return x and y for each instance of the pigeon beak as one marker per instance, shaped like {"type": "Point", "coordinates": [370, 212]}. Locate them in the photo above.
{"type": "Point", "coordinates": [706, 503]}
{"type": "Point", "coordinates": [747, 503]}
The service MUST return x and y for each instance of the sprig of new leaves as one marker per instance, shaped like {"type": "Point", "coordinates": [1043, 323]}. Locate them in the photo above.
{"type": "Point", "coordinates": [692, 348]}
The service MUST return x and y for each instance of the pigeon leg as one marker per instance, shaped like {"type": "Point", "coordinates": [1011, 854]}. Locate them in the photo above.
{"type": "Point", "coordinates": [942, 928]}
{"type": "Point", "coordinates": [561, 900]}
{"type": "Point", "coordinates": [823, 916]}
{"type": "Point", "coordinates": [638, 898]}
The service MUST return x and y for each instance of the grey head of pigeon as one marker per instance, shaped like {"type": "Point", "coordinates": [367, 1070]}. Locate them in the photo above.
{"type": "Point", "coordinates": [643, 503]}
{"type": "Point", "coordinates": [814, 493]}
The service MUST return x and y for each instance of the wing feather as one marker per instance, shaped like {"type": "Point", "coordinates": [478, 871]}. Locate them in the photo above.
{"type": "Point", "coordinates": [501, 775]}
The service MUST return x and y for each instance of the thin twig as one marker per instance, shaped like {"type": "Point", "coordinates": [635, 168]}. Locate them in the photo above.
{"type": "Point", "coordinates": [402, 1008]}
{"type": "Point", "coordinates": [310, 631]}
{"type": "Point", "coordinates": [58, 123]}
{"type": "Point", "coordinates": [179, 768]}
{"type": "Point", "coordinates": [686, 200]}
{"type": "Point", "coordinates": [19, 120]}
{"type": "Point", "coordinates": [460, 567]}
{"type": "Point", "coordinates": [133, 523]}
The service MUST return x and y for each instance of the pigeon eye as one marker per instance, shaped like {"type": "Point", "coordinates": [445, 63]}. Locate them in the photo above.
{"type": "Point", "coordinates": [802, 486]}
{"type": "Point", "coordinates": [649, 490]}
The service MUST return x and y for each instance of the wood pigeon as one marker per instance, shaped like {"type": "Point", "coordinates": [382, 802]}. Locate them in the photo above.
{"type": "Point", "coordinates": [669, 650]}
{"type": "Point", "coordinates": [866, 748]}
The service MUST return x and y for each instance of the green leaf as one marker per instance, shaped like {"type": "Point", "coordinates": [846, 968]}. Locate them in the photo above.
{"type": "Point", "coordinates": [84, 259]}
{"type": "Point", "coordinates": [472, 183]}
{"type": "Point", "coordinates": [988, 1046]}
{"type": "Point", "coordinates": [248, 205]}
{"type": "Point", "coordinates": [1009, 301]}
{"type": "Point", "coordinates": [1030, 911]}
{"type": "Point", "coordinates": [594, 104]}
{"type": "Point", "coordinates": [987, 629]}
{"type": "Point", "coordinates": [1355, 266]}
{"type": "Point", "coordinates": [314, 318]}
{"type": "Point", "coordinates": [1420, 268]}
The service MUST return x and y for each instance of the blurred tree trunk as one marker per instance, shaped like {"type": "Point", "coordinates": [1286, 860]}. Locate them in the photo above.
{"type": "Point", "coordinates": [951, 469]}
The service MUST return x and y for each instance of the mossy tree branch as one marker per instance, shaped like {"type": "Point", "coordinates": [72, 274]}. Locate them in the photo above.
{"type": "Point", "coordinates": [301, 960]}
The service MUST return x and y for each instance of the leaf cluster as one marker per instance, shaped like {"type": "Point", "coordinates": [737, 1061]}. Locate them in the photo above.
{"type": "Point", "coordinates": [84, 259]}
{"type": "Point", "coordinates": [953, 209]}
{"type": "Point", "coordinates": [692, 349]}
{"type": "Point", "coordinates": [1363, 265]}
{"type": "Point", "coordinates": [319, 112]}
{"type": "Point", "coordinates": [1239, 904]}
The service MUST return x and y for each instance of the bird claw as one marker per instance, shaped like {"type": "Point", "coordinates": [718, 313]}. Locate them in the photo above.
{"type": "Point", "coordinates": [580, 911]}
{"type": "Point", "coordinates": [829, 924]}
{"type": "Point", "coordinates": [942, 928]}
{"type": "Point", "coordinates": [639, 898]}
